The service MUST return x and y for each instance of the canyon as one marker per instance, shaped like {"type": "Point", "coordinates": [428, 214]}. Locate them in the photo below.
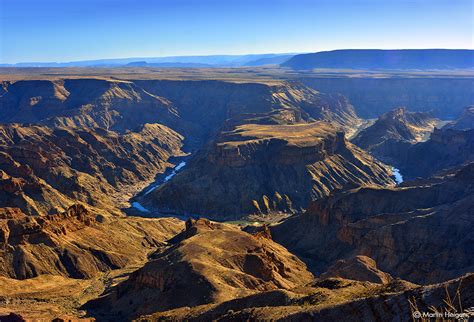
{"type": "Point", "coordinates": [296, 164]}
{"type": "Point", "coordinates": [231, 195]}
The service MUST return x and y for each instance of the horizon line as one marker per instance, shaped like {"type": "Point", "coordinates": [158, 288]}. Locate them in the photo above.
{"type": "Point", "coordinates": [222, 55]}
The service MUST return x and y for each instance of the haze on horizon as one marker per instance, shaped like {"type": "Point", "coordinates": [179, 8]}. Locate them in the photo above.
{"type": "Point", "coordinates": [53, 30]}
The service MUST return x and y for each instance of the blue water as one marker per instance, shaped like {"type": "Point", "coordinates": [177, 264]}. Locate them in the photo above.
{"type": "Point", "coordinates": [138, 206]}
{"type": "Point", "coordinates": [167, 178]}
{"type": "Point", "coordinates": [398, 176]}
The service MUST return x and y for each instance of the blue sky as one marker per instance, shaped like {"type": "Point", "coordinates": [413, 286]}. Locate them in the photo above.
{"type": "Point", "coordinates": [53, 30]}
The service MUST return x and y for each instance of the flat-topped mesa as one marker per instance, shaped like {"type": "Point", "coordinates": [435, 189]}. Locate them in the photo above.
{"type": "Point", "coordinates": [263, 169]}
{"type": "Point", "coordinates": [261, 144]}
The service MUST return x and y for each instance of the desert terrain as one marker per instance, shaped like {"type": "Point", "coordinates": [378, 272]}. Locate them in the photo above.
{"type": "Point", "coordinates": [246, 193]}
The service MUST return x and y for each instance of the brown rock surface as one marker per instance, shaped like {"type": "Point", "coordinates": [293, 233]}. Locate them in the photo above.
{"type": "Point", "coordinates": [360, 268]}
{"type": "Point", "coordinates": [91, 103]}
{"type": "Point", "coordinates": [210, 263]}
{"type": "Point", "coordinates": [260, 169]}
{"type": "Point", "coordinates": [196, 109]}
{"type": "Point", "coordinates": [76, 243]}
{"type": "Point", "coordinates": [44, 170]}
{"type": "Point", "coordinates": [262, 148]}
{"type": "Point", "coordinates": [337, 300]}
{"type": "Point", "coordinates": [396, 125]}
{"type": "Point", "coordinates": [419, 233]}
{"type": "Point", "coordinates": [411, 142]}
{"type": "Point", "coordinates": [372, 96]}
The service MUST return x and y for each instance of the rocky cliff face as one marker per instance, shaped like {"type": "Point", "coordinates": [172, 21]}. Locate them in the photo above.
{"type": "Point", "coordinates": [76, 243]}
{"type": "Point", "coordinates": [209, 263]}
{"type": "Point", "coordinates": [411, 142]}
{"type": "Point", "coordinates": [411, 232]}
{"type": "Point", "coordinates": [338, 299]}
{"type": "Point", "coordinates": [444, 150]}
{"type": "Point", "coordinates": [97, 137]}
{"type": "Point", "coordinates": [213, 102]}
{"type": "Point", "coordinates": [197, 109]}
{"type": "Point", "coordinates": [46, 169]}
{"type": "Point", "coordinates": [260, 149]}
{"type": "Point", "coordinates": [358, 268]}
{"type": "Point", "coordinates": [398, 125]}
{"type": "Point", "coordinates": [260, 169]}
{"type": "Point", "coordinates": [91, 103]}
{"type": "Point", "coordinates": [371, 97]}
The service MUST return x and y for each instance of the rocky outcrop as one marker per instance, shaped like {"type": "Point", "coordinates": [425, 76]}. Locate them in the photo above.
{"type": "Point", "coordinates": [98, 137]}
{"type": "Point", "coordinates": [260, 169]}
{"type": "Point", "coordinates": [445, 149]}
{"type": "Point", "coordinates": [398, 125]}
{"type": "Point", "coordinates": [76, 243]}
{"type": "Point", "coordinates": [209, 263]}
{"type": "Point", "coordinates": [262, 148]}
{"type": "Point", "coordinates": [359, 268]}
{"type": "Point", "coordinates": [454, 297]}
{"type": "Point", "coordinates": [412, 232]}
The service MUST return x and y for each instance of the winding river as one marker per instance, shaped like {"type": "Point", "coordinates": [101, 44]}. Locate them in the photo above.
{"type": "Point", "coordinates": [158, 183]}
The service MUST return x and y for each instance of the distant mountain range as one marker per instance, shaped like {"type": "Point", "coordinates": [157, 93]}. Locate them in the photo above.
{"type": "Point", "coordinates": [171, 61]}
{"type": "Point", "coordinates": [385, 59]}
{"type": "Point", "coordinates": [424, 59]}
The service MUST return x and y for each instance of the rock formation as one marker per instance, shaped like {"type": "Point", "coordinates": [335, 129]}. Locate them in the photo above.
{"type": "Point", "coordinates": [76, 243]}
{"type": "Point", "coordinates": [73, 152]}
{"type": "Point", "coordinates": [260, 169]}
{"type": "Point", "coordinates": [196, 109]}
{"type": "Point", "coordinates": [398, 125]}
{"type": "Point", "coordinates": [338, 299]}
{"type": "Point", "coordinates": [412, 232]}
{"type": "Point", "coordinates": [411, 142]}
{"type": "Point", "coordinates": [359, 268]}
{"type": "Point", "coordinates": [44, 170]}
{"type": "Point", "coordinates": [446, 149]}
{"type": "Point", "coordinates": [210, 263]}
